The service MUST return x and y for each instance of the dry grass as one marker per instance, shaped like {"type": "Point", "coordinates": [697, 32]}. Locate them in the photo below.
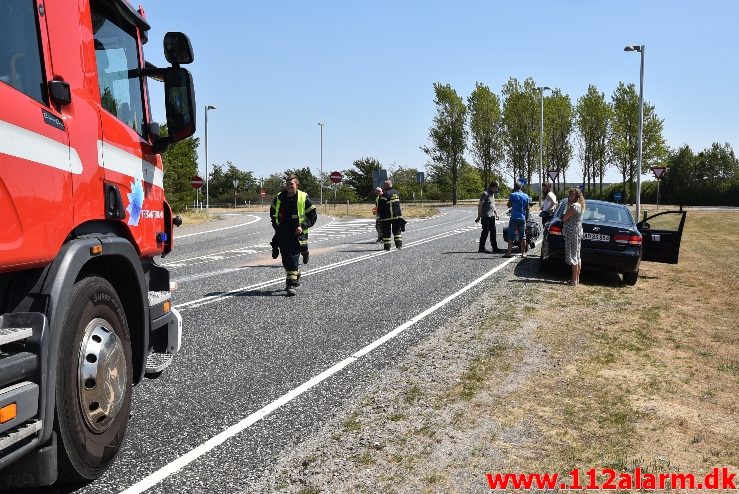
{"type": "Point", "coordinates": [649, 375]}
{"type": "Point", "coordinates": [410, 210]}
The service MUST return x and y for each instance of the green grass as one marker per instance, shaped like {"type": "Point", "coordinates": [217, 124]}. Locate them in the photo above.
{"type": "Point", "coordinates": [473, 379]}
{"type": "Point", "coordinates": [352, 423]}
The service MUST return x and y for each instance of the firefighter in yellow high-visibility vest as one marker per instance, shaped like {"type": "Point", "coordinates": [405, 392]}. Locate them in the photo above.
{"type": "Point", "coordinates": [391, 219]}
{"type": "Point", "coordinates": [292, 215]}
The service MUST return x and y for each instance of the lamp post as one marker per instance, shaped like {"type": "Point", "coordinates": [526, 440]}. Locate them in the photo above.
{"type": "Point", "coordinates": [320, 173]}
{"type": "Point", "coordinates": [236, 184]}
{"type": "Point", "coordinates": [207, 194]}
{"type": "Point", "coordinates": [640, 49]}
{"type": "Point", "coordinates": [541, 141]}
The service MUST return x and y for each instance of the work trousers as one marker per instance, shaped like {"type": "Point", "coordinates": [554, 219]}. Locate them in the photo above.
{"type": "Point", "coordinates": [394, 226]}
{"type": "Point", "coordinates": [488, 227]}
{"type": "Point", "coordinates": [290, 252]}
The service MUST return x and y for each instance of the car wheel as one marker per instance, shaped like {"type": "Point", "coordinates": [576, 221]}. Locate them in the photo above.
{"type": "Point", "coordinates": [630, 278]}
{"type": "Point", "coordinates": [94, 380]}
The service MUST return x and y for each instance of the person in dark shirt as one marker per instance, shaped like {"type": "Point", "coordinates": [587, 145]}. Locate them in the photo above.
{"type": "Point", "coordinates": [292, 215]}
{"type": "Point", "coordinates": [487, 212]}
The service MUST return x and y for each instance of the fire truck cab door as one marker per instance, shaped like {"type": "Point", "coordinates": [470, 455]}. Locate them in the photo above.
{"type": "Point", "coordinates": [36, 162]}
{"type": "Point", "coordinates": [125, 155]}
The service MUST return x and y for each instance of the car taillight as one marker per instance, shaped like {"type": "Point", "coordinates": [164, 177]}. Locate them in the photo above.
{"type": "Point", "coordinates": [625, 238]}
{"type": "Point", "coordinates": [555, 229]}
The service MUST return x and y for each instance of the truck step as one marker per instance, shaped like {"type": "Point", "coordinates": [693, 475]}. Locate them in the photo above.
{"type": "Point", "coordinates": [17, 367]}
{"type": "Point", "coordinates": [157, 362]}
{"type": "Point", "coordinates": [156, 298]}
{"type": "Point", "coordinates": [9, 335]}
{"type": "Point", "coordinates": [19, 433]}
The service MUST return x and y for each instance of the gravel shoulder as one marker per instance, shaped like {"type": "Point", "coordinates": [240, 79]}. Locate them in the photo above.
{"type": "Point", "coordinates": [422, 425]}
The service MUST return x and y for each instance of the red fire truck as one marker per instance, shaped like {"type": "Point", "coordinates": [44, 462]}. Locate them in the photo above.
{"type": "Point", "coordinates": [85, 310]}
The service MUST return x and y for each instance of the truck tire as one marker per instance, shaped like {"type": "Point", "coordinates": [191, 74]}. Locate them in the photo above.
{"type": "Point", "coordinates": [94, 380]}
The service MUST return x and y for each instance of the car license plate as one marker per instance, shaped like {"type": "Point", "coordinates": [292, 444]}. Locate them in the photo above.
{"type": "Point", "coordinates": [597, 237]}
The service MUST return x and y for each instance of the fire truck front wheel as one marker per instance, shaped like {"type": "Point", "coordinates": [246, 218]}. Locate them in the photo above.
{"type": "Point", "coordinates": [94, 380]}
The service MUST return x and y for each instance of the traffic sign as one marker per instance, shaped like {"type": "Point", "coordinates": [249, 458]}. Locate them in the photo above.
{"type": "Point", "coordinates": [336, 177]}
{"type": "Point", "coordinates": [196, 182]}
{"type": "Point", "coordinates": [378, 177]}
{"type": "Point", "coordinates": [262, 192]}
{"type": "Point", "coordinates": [658, 171]}
{"type": "Point", "coordinates": [420, 178]}
{"type": "Point", "coordinates": [553, 174]}
{"type": "Point", "coordinates": [617, 196]}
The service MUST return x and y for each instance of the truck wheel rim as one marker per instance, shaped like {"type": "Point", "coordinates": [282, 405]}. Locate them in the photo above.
{"type": "Point", "coordinates": [102, 375]}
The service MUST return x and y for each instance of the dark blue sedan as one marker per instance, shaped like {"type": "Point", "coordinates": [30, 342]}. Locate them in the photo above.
{"type": "Point", "coordinates": [612, 241]}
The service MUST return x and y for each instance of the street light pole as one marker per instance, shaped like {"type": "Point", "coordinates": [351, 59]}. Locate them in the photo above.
{"type": "Point", "coordinates": [207, 191]}
{"type": "Point", "coordinates": [236, 184]}
{"type": "Point", "coordinates": [320, 173]}
{"type": "Point", "coordinates": [541, 143]}
{"type": "Point", "coordinates": [640, 49]}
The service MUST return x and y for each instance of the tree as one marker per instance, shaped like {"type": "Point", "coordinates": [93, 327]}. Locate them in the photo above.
{"type": "Point", "coordinates": [558, 123]}
{"type": "Point", "coordinates": [624, 136]}
{"type": "Point", "coordinates": [471, 181]}
{"type": "Point", "coordinates": [274, 184]}
{"type": "Point", "coordinates": [448, 136]}
{"type": "Point", "coordinates": [486, 129]}
{"type": "Point", "coordinates": [405, 180]}
{"type": "Point", "coordinates": [180, 165]}
{"type": "Point", "coordinates": [593, 116]}
{"type": "Point", "coordinates": [710, 177]}
{"type": "Point", "coordinates": [521, 120]}
{"type": "Point", "coordinates": [717, 163]}
{"type": "Point", "coordinates": [224, 191]}
{"type": "Point", "coordinates": [361, 179]}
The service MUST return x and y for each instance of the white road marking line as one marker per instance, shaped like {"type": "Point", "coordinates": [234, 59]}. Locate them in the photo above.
{"type": "Point", "coordinates": [192, 455]}
{"type": "Point", "coordinates": [256, 218]}
{"type": "Point", "coordinates": [263, 284]}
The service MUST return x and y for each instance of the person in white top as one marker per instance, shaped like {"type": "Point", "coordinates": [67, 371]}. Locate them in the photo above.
{"type": "Point", "coordinates": [549, 204]}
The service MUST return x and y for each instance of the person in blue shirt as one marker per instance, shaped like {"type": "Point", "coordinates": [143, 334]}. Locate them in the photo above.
{"type": "Point", "coordinates": [518, 201]}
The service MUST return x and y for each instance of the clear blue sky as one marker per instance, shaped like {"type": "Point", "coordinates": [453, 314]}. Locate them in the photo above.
{"type": "Point", "coordinates": [366, 69]}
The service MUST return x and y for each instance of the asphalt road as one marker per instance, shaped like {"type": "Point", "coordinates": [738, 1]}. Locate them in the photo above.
{"type": "Point", "coordinates": [247, 345]}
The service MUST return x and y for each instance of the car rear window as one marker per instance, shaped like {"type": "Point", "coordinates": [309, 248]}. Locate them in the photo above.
{"type": "Point", "coordinates": [607, 213]}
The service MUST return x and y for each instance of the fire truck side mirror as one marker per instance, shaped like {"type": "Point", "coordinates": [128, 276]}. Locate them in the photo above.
{"type": "Point", "coordinates": [178, 49]}
{"type": "Point", "coordinates": [179, 102]}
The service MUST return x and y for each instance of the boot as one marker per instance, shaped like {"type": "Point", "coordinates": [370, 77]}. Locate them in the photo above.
{"type": "Point", "coordinates": [296, 283]}
{"type": "Point", "coordinates": [305, 257]}
{"type": "Point", "coordinates": [275, 252]}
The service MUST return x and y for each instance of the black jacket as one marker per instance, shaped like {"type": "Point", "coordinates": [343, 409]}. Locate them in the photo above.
{"type": "Point", "coordinates": [388, 206]}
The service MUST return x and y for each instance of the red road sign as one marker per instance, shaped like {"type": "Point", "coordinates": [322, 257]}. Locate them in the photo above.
{"type": "Point", "coordinates": [335, 177]}
{"type": "Point", "coordinates": [196, 182]}
{"type": "Point", "coordinates": [658, 171]}
{"type": "Point", "coordinates": [262, 192]}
